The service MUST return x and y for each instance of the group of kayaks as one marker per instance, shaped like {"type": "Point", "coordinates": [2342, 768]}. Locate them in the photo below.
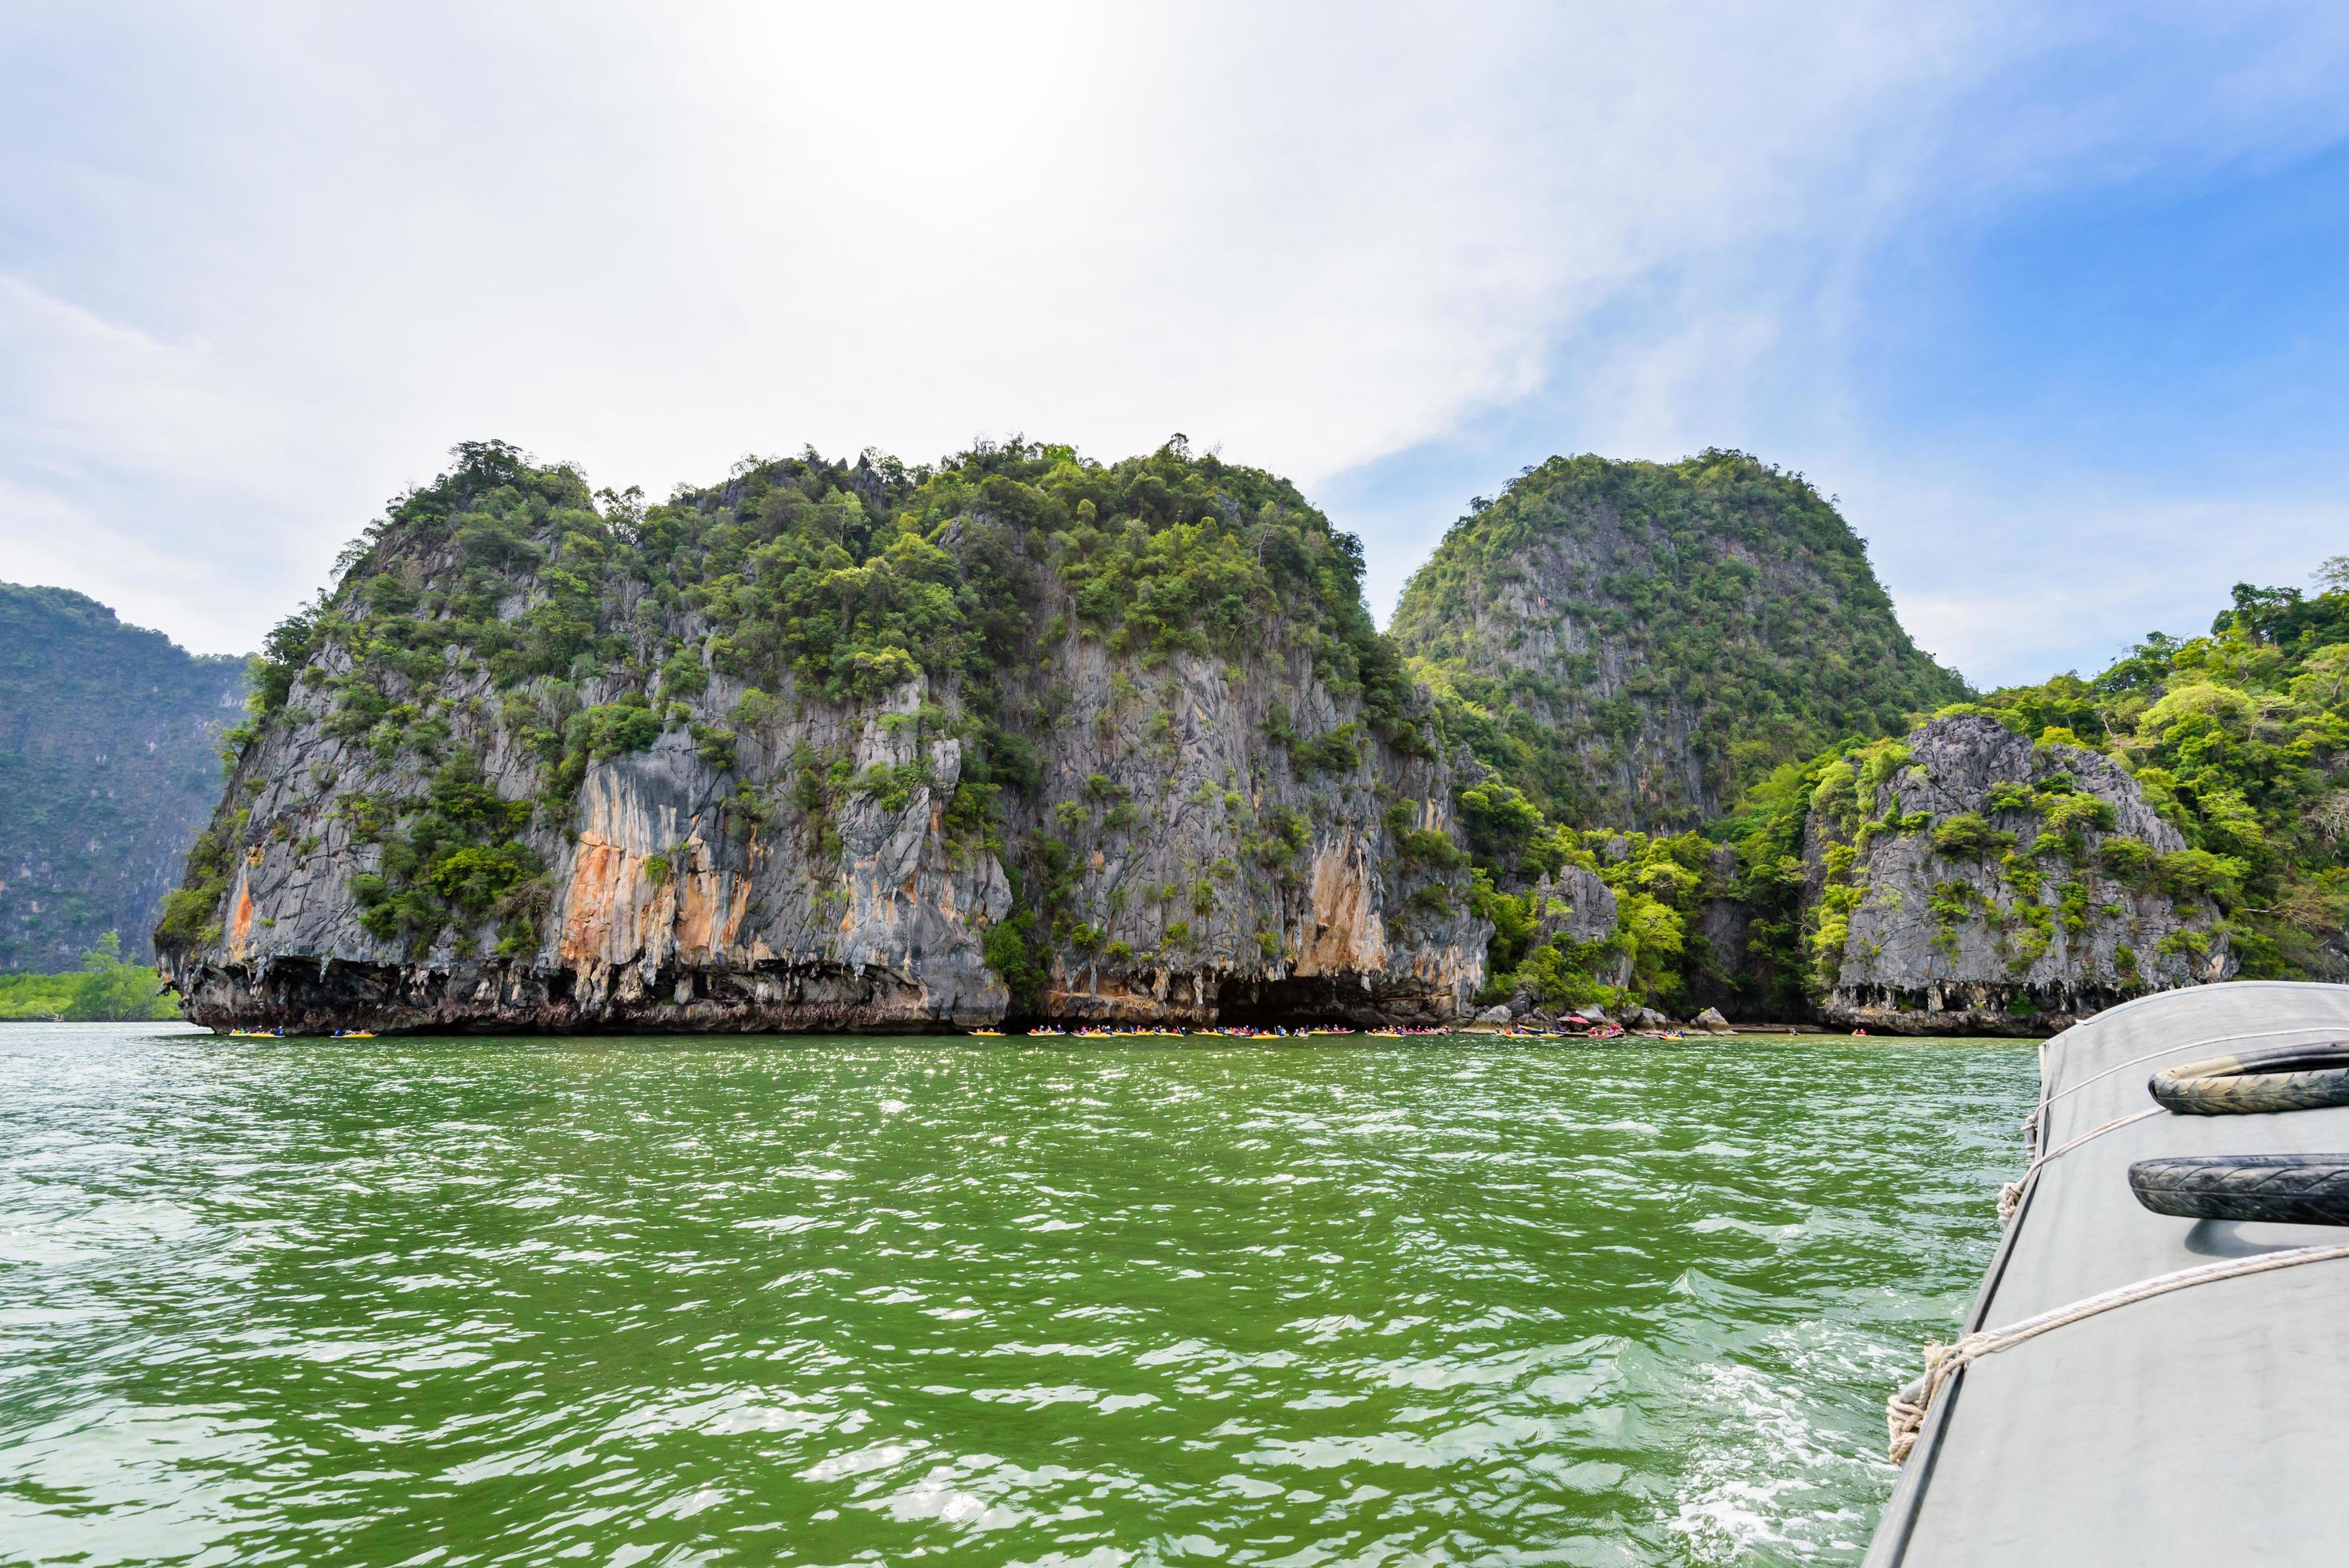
{"type": "Point", "coordinates": [280, 1034]}
{"type": "Point", "coordinates": [1135, 1032]}
{"type": "Point", "coordinates": [1239, 1032]}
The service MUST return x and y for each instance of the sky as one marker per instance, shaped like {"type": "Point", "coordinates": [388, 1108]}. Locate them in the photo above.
{"type": "Point", "coordinates": [2054, 301]}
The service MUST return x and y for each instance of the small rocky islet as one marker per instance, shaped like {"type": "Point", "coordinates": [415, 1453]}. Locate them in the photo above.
{"type": "Point", "coordinates": [1025, 736]}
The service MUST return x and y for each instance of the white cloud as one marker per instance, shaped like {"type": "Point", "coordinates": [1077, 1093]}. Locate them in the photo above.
{"type": "Point", "coordinates": [267, 264]}
{"type": "Point", "coordinates": [2013, 590]}
{"type": "Point", "coordinates": [75, 385]}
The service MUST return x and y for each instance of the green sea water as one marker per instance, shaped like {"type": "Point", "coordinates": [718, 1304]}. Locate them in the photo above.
{"type": "Point", "coordinates": [833, 1301]}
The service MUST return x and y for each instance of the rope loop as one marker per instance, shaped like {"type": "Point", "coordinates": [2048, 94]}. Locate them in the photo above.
{"type": "Point", "coordinates": [1906, 1410]}
{"type": "Point", "coordinates": [2010, 1197]}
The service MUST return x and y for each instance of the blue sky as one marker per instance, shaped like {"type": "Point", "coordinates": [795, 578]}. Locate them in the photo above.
{"type": "Point", "coordinates": [2053, 302]}
{"type": "Point", "coordinates": [2064, 415]}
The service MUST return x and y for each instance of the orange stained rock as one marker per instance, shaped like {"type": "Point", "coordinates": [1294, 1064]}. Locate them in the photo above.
{"type": "Point", "coordinates": [240, 929]}
{"type": "Point", "coordinates": [587, 907]}
{"type": "Point", "coordinates": [737, 909]}
{"type": "Point", "coordinates": [700, 926]}
{"type": "Point", "coordinates": [1347, 934]}
{"type": "Point", "coordinates": [613, 912]}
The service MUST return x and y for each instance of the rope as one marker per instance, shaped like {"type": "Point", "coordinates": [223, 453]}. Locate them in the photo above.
{"type": "Point", "coordinates": [1905, 1410]}
{"type": "Point", "coordinates": [2010, 1197]}
{"type": "Point", "coordinates": [2031, 1123]}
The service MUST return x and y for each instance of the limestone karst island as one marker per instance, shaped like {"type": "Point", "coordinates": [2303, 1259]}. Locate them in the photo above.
{"type": "Point", "coordinates": [1036, 785]}
{"type": "Point", "coordinates": [1024, 738]}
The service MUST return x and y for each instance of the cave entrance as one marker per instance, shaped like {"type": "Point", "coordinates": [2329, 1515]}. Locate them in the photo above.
{"type": "Point", "coordinates": [1296, 1002]}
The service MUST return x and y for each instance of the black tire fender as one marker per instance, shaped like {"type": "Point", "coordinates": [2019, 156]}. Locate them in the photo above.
{"type": "Point", "coordinates": [2283, 1189]}
{"type": "Point", "coordinates": [2282, 1077]}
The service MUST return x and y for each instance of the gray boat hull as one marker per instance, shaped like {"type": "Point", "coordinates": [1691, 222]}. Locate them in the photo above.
{"type": "Point", "coordinates": [2205, 1426]}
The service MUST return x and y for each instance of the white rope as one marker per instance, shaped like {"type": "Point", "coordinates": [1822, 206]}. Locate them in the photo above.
{"type": "Point", "coordinates": [2031, 1123]}
{"type": "Point", "coordinates": [1905, 1410]}
{"type": "Point", "coordinates": [2010, 1197]}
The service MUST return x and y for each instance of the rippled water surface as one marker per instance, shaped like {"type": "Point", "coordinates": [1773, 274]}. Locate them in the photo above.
{"type": "Point", "coordinates": [830, 1301]}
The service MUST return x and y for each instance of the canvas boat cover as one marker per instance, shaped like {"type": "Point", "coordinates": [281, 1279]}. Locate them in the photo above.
{"type": "Point", "coordinates": [2208, 1426]}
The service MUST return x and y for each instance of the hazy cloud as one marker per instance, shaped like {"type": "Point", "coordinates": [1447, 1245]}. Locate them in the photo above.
{"type": "Point", "coordinates": [259, 268]}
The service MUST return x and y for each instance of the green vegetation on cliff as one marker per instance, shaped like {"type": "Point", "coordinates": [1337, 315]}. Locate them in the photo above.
{"type": "Point", "coordinates": [586, 625]}
{"type": "Point", "coordinates": [2239, 738]}
{"type": "Point", "coordinates": [1657, 881]}
{"type": "Point", "coordinates": [1634, 644]}
{"type": "Point", "coordinates": [1637, 643]}
{"type": "Point", "coordinates": [843, 578]}
{"type": "Point", "coordinates": [1621, 648]}
{"type": "Point", "coordinates": [110, 740]}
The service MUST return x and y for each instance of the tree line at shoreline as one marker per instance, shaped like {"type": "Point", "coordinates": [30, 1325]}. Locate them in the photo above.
{"type": "Point", "coordinates": [104, 990]}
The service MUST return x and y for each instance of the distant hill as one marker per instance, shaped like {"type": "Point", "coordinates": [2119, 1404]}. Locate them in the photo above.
{"type": "Point", "coordinates": [1637, 642]}
{"type": "Point", "coordinates": [110, 741]}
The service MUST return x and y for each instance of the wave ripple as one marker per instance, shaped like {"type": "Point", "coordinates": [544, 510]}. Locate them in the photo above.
{"type": "Point", "coordinates": [840, 1301]}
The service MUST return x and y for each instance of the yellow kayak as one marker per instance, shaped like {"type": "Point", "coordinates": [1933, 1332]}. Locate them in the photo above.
{"type": "Point", "coordinates": [988, 1034]}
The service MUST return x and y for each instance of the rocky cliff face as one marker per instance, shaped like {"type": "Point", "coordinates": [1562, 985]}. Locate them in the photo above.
{"type": "Point", "coordinates": [1647, 639]}
{"type": "Point", "coordinates": [110, 763]}
{"type": "Point", "coordinates": [1964, 880]}
{"type": "Point", "coordinates": [1219, 871]}
{"type": "Point", "coordinates": [833, 746]}
{"type": "Point", "coordinates": [664, 902]}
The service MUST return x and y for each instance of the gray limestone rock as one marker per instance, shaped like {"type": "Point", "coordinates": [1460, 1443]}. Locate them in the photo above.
{"type": "Point", "coordinates": [1990, 884]}
{"type": "Point", "coordinates": [1195, 867]}
{"type": "Point", "coordinates": [1574, 904]}
{"type": "Point", "coordinates": [1203, 910]}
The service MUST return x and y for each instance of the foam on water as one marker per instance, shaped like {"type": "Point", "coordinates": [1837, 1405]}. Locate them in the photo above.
{"type": "Point", "coordinates": [832, 1301]}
